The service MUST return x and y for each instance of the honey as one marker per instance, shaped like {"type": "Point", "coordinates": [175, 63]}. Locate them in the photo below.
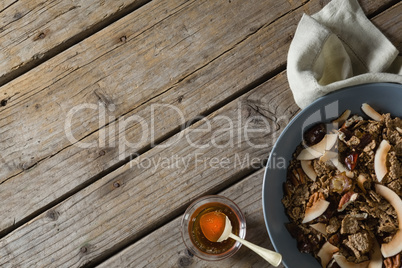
{"type": "Point", "coordinates": [198, 238]}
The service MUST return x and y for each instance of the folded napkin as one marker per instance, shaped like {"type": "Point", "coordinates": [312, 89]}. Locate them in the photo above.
{"type": "Point", "coordinates": [339, 47]}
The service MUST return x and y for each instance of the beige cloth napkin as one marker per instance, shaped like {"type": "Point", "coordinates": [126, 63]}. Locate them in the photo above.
{"type": "Point", "coordinates": [339, 47]}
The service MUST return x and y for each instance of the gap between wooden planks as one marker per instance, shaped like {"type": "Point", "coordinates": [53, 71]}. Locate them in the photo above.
{"type": "Point", "coordinates": [85, 164]}
{"type": "Point", "coordinates": [123, 74]}
{"type": "Point", "coordinates": [34, 120]}
{"type": "Point", "coordinates": [165, 248]}
{"type": "Point", "coordinates": [33, 31]}
{"type": "Point", "coordinates": [134, 199]}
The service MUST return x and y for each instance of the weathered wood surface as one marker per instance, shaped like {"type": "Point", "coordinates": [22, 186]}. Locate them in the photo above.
{"type": "Point", "coordinates": [164, 247]}
{"type": "Point", "coordinates": [42, 142]}
{"type": "Point", "coordinates": [33, 30]}
{"type": "Point", "coordinates": [390, 24]}
{"type": "Point", "coordinates": [129, 202]}
{"type": "Point", "coordinates": [104, 217]}
{"type": "Point", "coordinates": [49, 152]}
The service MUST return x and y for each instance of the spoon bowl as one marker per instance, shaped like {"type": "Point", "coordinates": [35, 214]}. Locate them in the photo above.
{"type": "Point", "coordinates": [214, 223]}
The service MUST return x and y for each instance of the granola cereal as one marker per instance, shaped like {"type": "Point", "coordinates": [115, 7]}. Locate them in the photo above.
{"type": "Point", "coordinates": [343, 199]}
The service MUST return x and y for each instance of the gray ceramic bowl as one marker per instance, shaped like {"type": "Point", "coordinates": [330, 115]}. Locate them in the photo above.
{"type": "Point", "coordinates": [383, 97]}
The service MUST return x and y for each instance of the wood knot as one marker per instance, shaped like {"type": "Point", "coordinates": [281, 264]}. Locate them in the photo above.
{"type": "Point", "coordinates": [123, 39]}
{"type": "Point", "coordinates": [184, 261]}
{"type": "Point", "coordinates": [17, 15]}
{"type": "Point", "coordinates": [189, 253]}
{"type": "Point", "coordinates": [41, 35]}
{"type": "Point", "coordinates": [102, 153]}
{"type": "Point", "coordinates": [180, 98]}
{"type": "Point", "coordinates": [84, 249]}
{"type": "Point", "coordinates": [3, 102]}
{"type": "Point", "coordinates": [52, 214]}
{"type": "Point", "coordinates": [116, 184]}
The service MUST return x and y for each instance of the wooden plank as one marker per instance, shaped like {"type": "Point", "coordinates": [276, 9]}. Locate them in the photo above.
{"type": "Point", "coordinates": [70, 167]}
{"type": "Point", "coordinates": [52, 215]}
{"type": "Point", "coordinates": [36, 29]}
{"type": "Point", "coordinates": [34, 142]}
{"type": "Point", "coordinates": [165, 248]}
{"type": "Point", "coordinates": [6, 4]}
{"type": "Point", "coordinates": [390, 24]}
{"type": "Point", "coordinates": [123, 74]}
{"type": "Point", "coordinates": [49, 99]}
{"type": "Point", "coordinates": [132, 200]}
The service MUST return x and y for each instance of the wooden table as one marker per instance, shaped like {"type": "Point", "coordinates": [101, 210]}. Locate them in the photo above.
{"type": "Point", "coordinates": [115, 115]}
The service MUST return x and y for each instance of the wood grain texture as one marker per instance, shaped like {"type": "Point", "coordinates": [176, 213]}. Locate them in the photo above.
{"type": "Point", "coordinates": [104, 217]}
{"type": "Point", "coordinates": [41, 149]}
{"type": "Point", "coordinates": [6, 4]}
{"type": "Point", "coordinates": [390, 24]}
{"type": "Point", "coordinates": [36, 29]}
{"type": "Point", "coordinates": [132, 200]}
{"type": "Point", "coordinates": [165, 248]}
{"type": "Point", "coordinates": [46, 155]}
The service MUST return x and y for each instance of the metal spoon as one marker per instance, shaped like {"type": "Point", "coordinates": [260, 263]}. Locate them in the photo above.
{"type": "Point", "coordinates": [272, 257]}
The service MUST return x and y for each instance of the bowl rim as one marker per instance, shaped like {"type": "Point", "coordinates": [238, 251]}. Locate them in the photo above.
{"type": "Point", "coordinates": [313, 107]}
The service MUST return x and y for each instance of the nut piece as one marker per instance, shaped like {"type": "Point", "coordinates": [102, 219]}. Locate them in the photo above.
{"type": "Point", "coordinates": [393, 262]}
{"type": "Point", "coordinates": [297, 177]}
{"type": "Point", "coordinates": [314, 198]}
{"type": "Point", "coordinates": [346, 199]}
{"type": "Point", "coordinates": [340, 183]}
{"type": "Point", "coordinates": [316, 206]}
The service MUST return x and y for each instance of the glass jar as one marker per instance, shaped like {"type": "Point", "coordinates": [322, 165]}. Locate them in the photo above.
{"type": "Point", "coordinates": [195, 240]}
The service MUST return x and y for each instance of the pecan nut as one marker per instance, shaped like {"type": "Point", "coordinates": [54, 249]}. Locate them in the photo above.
{"type": "Point", "coordinates": [393, 262]}
{"type": "Point", "coordinates": [346, 199]}
{"type": "Point", "coordinates": [314, 198]}
{"type": "Point", "coordinates": [297, 177]}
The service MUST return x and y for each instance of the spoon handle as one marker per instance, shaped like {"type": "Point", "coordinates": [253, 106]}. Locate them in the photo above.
{"type": "Point", "coordinates": [272, 257]}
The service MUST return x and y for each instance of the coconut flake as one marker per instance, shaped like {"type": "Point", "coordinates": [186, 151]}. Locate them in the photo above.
{"type": "Point", "coordinates": [341, 119]}
{"type": "Point", "coordinates": [326, 252]}
{"type": "Point", "coordinates": [316, 210]}
{"type": "Point", "coordinates": [308, 154]}
{"type": "Point", "coordinates": [395, 245]}
{"type": "Point", "coordinates": [369, 111]}
{"type": "Point", "coordinates": [308, 169]}
{"type": "Point", "coordinates": [375, 256]}
{"type": "Point", "coordinates": [342, 168]}
{"type": "Point", "coordinates": [320, 227]}
{"type": "Point", "coordinates": [318, 149]}
{"type": "Point", "coordinates": [380, 160]}
{"type": "Point", "coordinates": [399, 129]}
{"type": "Point", "coordinates": [343, 263]}
{"type": "Point", "coordinates": [328, 155]}
{"type": "Point", "coordinates": [361, 179]}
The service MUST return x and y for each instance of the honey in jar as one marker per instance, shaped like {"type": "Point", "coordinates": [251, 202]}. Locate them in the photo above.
{"type": "Point", "coordinates": [197, 237]}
